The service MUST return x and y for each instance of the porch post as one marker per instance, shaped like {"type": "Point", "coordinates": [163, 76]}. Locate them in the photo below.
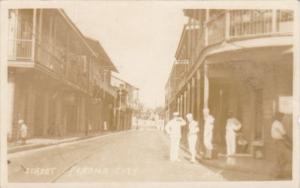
{"type": "Point", "coordinates": [206, 27]}
{"type": "Point", "coordinates": [40, 24]}
{"type": "Point", "coordinates": [206, 87]}
{"type": "Point", "coordinates": [193, 98]}
{"type": "Point", "coordinates": [189, 42]}
{"type": "Point", "coordinates": [11, 110]}
{"type": "Point", "coordinates": [274, 20]}
{"type": "Point", "coordinates": [178, 104]}
{"type": "Point", "coordinates": [198, 95]}
{"type": "Point", "coordinates": [185, 103]}
{"type": "Point", "coordinates": [188, 98]}
{"type": "Point", "coordinates": [33, 34]}
{"type": "Point", "coordinates": [46, 114]}
{"type": "Point", "coordinates": [182, 104]}
{"type": "Point", "coordinates": [227, 25]}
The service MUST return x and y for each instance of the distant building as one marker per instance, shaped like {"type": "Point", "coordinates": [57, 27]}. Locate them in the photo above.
{"type": "Point", "coordinates": [103, 93]}
{"type": "Point", "coordinates": [126, 104]}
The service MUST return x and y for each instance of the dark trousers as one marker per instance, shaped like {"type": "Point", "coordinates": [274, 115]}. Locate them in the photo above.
{"type": "Point", "coordinates": [282, 156]}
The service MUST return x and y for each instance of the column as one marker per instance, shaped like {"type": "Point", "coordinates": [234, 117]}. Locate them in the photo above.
{"type": "Point", "coordinates": [227, 24]}
{"type": "Point", "coordinates": [188, 98]}
{"type": "Point", "coordinates": [46, 114]}
{"type": "Point", "coordinates": [274, 21]}
{"type": "Point", "coordinates": [206, 28]}
{"type": "Point", "coordinates": [30, 110]}
{"type": "Point", "coordinates": [178, 104]}
{"type": "Point", "coordinates": [181, 104]}
{"type": "Point", "coordinates": [206, 86]}
{"type": "Point", "coordinates": [11, 104]}
{"type": "Point", "coordinates": [193, 99]}
{"type": "Point", "coordinates": [185, 103]}
{"type": "Point", "coordinates": [189, 42]}
{"type": "Point", "coordinates": [58, 108]}
{"type": "Point", "coordinates": [192, 41]}
{"type": "Point", "coordinates": [33, 33]}
{"type": "Point", "coordinates": [198, 95]}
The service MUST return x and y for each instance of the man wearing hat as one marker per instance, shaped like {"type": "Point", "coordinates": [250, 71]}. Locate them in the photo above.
{"type": "Point", "coordinates": [173, 128]}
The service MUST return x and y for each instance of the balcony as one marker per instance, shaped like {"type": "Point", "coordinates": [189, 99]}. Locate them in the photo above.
{"type": "Point", "coordinates": [241, 24]}
{"type": "Point", "coordinates": [233, 25]}
{"type": "Point", "coordinates": [20, 49]}
{"type": "Point", "coordinates": [43, 39]}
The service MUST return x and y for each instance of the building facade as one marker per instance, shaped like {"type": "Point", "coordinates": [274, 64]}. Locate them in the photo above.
{"type": "Point", "coordinates": [57, 77]}
{"type": "Point", "coordinates": [126, 105]}
{"type": "Point", "coordinates": [239, 61]}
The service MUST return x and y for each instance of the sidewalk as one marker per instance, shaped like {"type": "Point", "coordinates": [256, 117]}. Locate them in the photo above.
{"type": "Point", "coordinates": [244, 163]}
{"type": "Point", "coordinates": [35, 143]}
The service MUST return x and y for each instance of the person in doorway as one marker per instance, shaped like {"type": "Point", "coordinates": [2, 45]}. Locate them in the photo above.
{"type": "Point", "coordinates": [192, 136]}
{"type": "Point", "coordinates": [23, 131]}
{"type": "Point", "coordinates": [208, 133]}
{"type": "Point", "coordinates": [283, 146]}
{"type": "Point", "coordinates": [173, 128]}
{"type": "Point", "coordinates": [232, 126]}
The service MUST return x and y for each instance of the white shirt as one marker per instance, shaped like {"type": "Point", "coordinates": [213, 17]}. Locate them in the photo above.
{"type": "Point", "coordinates": [209, 123]}
{"type": "Point", "coordinates": [173, 127]}
{"type": "Point", "coordinates": [232, 126]}
{"type": "Point", "coordinates": [193, 127]}
{"type": "Point", "coordinates": [277, 130]}
{"type": "Point", "coordinates": [23, 130]}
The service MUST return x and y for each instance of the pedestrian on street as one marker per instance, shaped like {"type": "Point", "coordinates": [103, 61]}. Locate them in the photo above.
{"type": "Point", "coordinates": [208, 133]}
{"type": "Point", "coordinates": [192, 136]}
{"type": "Point", "coordinates": [283, 146]}
{"type": "Point", "coordinates": [173, 128]}
{"type": "Point", "coordinates": [23, 131]}
{"type": "Point", "coordinates": [233, 125]}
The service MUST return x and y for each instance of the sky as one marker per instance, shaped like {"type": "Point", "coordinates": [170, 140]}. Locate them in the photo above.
{"type": "Point", "coordinates": [140, 39]}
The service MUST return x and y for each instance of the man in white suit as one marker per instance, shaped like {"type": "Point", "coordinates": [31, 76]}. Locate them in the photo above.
{"type": "Point", "coordinates": [173, 128]}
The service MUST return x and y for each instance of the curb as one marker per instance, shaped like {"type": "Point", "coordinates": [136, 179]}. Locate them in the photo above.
{"type": "Point", "coordinates": [37, 146]}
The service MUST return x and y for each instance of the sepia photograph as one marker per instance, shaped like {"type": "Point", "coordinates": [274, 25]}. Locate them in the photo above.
{"type": "Point", "coordinates": [165, 92]}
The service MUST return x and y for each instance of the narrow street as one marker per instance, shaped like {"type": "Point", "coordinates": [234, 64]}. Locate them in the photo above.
{"type": "Point", "coordinates": [124, 156]}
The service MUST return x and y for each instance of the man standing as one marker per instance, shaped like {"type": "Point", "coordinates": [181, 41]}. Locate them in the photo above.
{"type": "Point", "coordinates": [208, 133]}
{"type": "Point", "coordinates": [192, 136]}
{"type": "Point", "coordinates": [232, 126]}
{"type": "Point", "coordinates": [282, 144]}
{"type": "Point", "coordinates": [173, 128]}
{"type": "Point", "coordinates": [23, 131]}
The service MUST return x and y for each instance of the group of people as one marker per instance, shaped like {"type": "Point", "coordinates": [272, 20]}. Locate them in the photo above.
{"type": "Point", "coordinates": [233, 126]}
{"type": "Point", "coordinates": [173, 128]}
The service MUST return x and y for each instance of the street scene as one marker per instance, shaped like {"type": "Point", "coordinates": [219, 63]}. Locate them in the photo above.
{"type": "Point", "coordinates": [151, 94]}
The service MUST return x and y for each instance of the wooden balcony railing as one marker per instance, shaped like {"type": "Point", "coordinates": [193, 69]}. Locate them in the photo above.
{"type": "Point", "coordinates": [246, 23]}
{"type": "Point", "coordinates": [51, 58]}
{"type": "Point", "coordinates": [20, 49]}
{"type": "Point", "coordinates": [215, 29]}
{"type": "Point", "coordinates": [232, 25]}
